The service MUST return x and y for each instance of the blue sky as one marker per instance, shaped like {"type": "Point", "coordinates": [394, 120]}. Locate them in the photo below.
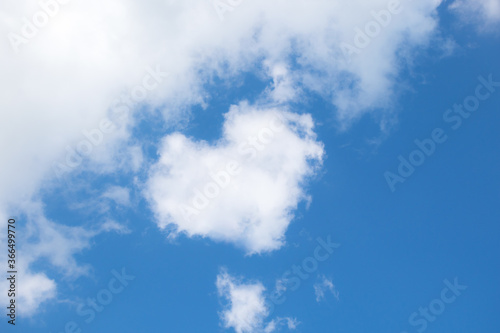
{"type": "Point", "coordinates": [113, 224]}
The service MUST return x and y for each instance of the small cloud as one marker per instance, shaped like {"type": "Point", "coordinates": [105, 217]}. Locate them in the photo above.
{"type": "Point", "coordinates": [245, 310]}
{"type": "Point", "coordinates": [37, 288]}
{"type": "Point", "coordinates": [283, 89]}
{"type": "Point", "coordinates": [118, 194]}
{"type": "Point", "coordinates": [280, 286]}
{"type": "Point", "coordinates": [136, 158]}
{"type": "Point", "coordinates": [276, 324]}
{"type": "Point", "coordinates": [324, 286]}
{"type": "Point", "coordinates": [111, 225]}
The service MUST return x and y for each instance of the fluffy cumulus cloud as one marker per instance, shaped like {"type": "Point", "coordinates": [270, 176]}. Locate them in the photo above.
{"type": "Point", "coordinates": [76, 73]}
{"type": "Point", "coordinates": [243, 188]}
{"type": "Point", "coordinates": [88, 61]}
{"type": "Point", "coordinates": [245, 307]}
{"type": "Point", "coordinates": [484, 12]}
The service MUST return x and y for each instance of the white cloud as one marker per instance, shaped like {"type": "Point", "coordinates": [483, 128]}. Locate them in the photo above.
{"type": "Point", "coordinates": [54, 242]}
{"type": "Point", "coordinates": [280, 287]}
{"type": "Point", "coordinates": [196, 189]}
{"type": "Point", "coordinates": [137, 158]}
{"type": "Point", "coordinates": [276, 324]}
{"type": "Point", "coordinates": [58, 244]}
{"type": "Point", "coordinates": [325, 285]}
{"type": "Point", "coordinates": [245, 310]}
{"type": "Point", "coordinates": [34, 289]}
{"type": "Point", "coordinates": [66, 78]}
{"type": "Point", "coordinates": [110, 225]}
{"type": "Point", "coordinates": [483, 12]}
{"type": "Point", "coordinates": [283, 88]}
{"type": "Point", "coordinates": [118, 194]}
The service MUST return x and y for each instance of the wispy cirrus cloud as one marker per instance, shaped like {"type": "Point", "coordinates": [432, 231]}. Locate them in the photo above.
{"type": "Point", "coordinates": [323, 286]}
{"type": "Point", "coordinates": [483, 13]}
